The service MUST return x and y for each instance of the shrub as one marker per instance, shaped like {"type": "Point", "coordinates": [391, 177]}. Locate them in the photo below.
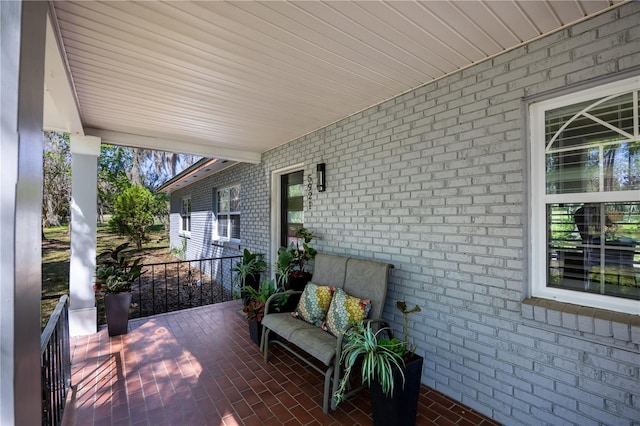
{"type": "Point", "coordinates": [133, 214]}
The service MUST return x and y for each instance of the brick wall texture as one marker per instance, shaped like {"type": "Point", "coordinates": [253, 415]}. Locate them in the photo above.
{"type": "Point", "coordinates": [435, 181]}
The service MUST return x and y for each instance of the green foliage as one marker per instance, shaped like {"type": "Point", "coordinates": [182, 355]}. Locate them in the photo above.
{"type": "Point", "coordinates": [254, 311]}
{"type": "Point", "coordinates": [267, 289]}
{"type": "Point", "coordinates": [285, 263]}
{"type": "Point", "coordinates": [161, 208]}
{"type": "Point", "coordinates": [250, 264]}
{"type": "Point", "coordinates": [113, 163]}
{"type": "Point", "coordinates": [378, 360]}
{"type": "Point", "coordinates": [258, 299]}
{"type": "Point", "coordinates": [180, 252]}
{"type": "Point", "coordinates": [394, 345]}
{"type": "Point", "coordinates": [402, 307]}
{"type": "Point", "coordinates": [380, 355]}
{"type": "Point", "coordinates": [115, 273]}
{"type": "Point", "coordinates": [296, 256]}
{"type": "Point", "coordinates": [56, 184]}
{"type": "Point", "coordinates": [133, 214]}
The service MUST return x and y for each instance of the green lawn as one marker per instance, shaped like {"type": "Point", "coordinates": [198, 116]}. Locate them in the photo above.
{"type": "Point", "coordinates": [56, 251]}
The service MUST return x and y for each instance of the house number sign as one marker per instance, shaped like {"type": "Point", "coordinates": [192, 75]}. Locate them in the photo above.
{"type": "Point", "coordinates": [310, 190]}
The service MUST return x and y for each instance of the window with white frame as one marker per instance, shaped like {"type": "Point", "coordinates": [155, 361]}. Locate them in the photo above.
{"type": "Point", "coordinates": [228, 213]}
{"type": "Point", "coordinates": [585, 206]}
{"type": "Point", "coordinates": [185, 216]}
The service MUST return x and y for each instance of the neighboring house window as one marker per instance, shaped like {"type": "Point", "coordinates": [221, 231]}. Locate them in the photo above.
{"type": "Point", "coordinates": [585, 186]}
{"type": "Point", "coordinates": [185, 216]}
{"type": "Point", "coordinates": [228, 207]}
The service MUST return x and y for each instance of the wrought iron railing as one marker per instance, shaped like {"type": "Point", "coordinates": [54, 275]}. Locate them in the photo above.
{"type": "Point", "coordinates": [55, 363]}
{"type": "Point", "coordinates": [172, 286]}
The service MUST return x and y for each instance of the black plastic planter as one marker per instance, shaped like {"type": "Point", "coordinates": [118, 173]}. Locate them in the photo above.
{"type": "Point", "coordinates": [255, 331]}
{"type": "Point", "coordinates": [116, 307]}
{"type": "Point", "coordinates": [298, 280]}
{"type": "Point", "coordinates": [401, 409]}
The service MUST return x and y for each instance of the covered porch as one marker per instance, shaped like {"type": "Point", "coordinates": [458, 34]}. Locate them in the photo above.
{"type": "Point", "coordinates": [198, 366]}
{"type": "Point", "coordinates": [421, 118]}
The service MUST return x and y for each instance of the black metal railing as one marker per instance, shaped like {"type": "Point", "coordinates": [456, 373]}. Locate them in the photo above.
{"type": "Point", "coordinates": [55, 363]}
{"type": "Point", "coordinates": [173, 286]}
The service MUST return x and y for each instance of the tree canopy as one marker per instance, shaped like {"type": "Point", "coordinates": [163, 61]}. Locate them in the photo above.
{"type": "Point", "coordinates": [119, 169]}
{"type": "Point", "coordinates": [56, 185]}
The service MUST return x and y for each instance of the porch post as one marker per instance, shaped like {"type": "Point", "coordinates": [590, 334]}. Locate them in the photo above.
{"type": "Point", "coordinates": [22, 36]}
{"type": "Point", "coordinates": [84, 190]}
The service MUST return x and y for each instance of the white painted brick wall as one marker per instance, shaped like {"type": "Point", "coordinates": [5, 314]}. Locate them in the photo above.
{"type": "Point", "coordinates": [434, 181]}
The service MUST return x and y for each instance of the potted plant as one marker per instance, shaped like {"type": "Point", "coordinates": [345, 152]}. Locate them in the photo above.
{"type": "Point", "coordinates": [292, 265]}
{"type": "Point", "coordinates": [248, 271]}
{"type": "Point", "coordinates": [254, 312]}
{"type": "Point", "coordinates": [254, 309]}
{"type": "Point", "coordinates": [390, 367]}
{"type": "Point", "coordinates": [114, 276]}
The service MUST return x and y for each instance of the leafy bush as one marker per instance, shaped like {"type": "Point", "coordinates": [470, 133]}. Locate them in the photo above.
{"type": "Point", "coordinates": [133, 214]}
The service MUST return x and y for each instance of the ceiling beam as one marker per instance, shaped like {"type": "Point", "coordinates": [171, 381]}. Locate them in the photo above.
{"type": "Point", "coordinates": [61, 112]}
{"type": "Point", "coordinates": [184, 145]}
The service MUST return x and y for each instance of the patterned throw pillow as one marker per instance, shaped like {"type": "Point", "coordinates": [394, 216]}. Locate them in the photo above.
{"type": "Point", "coordinates": [345, 309]}
{"type": "Point", "coordinates": [314, 303]}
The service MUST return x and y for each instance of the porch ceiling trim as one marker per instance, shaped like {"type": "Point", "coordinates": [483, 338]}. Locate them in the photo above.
{"type": "Point", "coordinates": [235, 79]}
{"type": "Point", "coordinates": [182, 145]}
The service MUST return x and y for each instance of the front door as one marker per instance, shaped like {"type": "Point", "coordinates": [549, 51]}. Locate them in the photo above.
{"type": "Point", "coordinates": [291, 209]}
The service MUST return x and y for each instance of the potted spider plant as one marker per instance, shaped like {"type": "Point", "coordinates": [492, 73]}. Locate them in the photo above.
{"type": "Point", "coordinates": [114, 277]}
{"type": "Point", "coordinates": [390, 368]}
{"type": "Point", "coordinates": [247, 273]}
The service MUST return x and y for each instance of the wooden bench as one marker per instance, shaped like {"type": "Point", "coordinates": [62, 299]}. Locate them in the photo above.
{"type": "Point", "coordinates": [364, 279]}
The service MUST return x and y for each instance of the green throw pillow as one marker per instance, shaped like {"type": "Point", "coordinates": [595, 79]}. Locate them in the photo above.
{"type": "Point", "coordinates": [314, 303]}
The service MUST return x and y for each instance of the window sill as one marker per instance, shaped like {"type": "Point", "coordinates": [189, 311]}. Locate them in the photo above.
{"type": "Point", "coordinates": [600, 322]}
{"type": "Point", "coordinates": [233, 244]}
{"type": "Point", "coordinates": [185, 234]}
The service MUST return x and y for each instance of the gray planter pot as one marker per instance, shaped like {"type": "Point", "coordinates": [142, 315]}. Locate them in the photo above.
{"type": "Point", "coordinates": [116, 308]}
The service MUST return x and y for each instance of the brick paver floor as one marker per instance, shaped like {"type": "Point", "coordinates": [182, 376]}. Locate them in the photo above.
{"type": "Point", "coordinates": [198, 367]}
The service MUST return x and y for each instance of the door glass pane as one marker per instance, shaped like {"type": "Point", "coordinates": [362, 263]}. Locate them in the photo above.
{"type": "Point", "coordinates": [294, 217]}
{"type": "Point", "coordinates": [295, 204]}
{"type": "Point", "coordinates": [292, 206]}
{"type": "Point", "coordinates": [296, 190]}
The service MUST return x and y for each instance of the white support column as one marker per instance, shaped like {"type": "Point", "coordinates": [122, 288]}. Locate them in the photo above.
{"type": "Point", "coordinates": [84, 192]}
{"type": "Point", "coordinates": [22, 31]}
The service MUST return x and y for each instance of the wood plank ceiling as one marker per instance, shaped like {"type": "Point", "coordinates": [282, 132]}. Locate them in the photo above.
{"type": "Point", "coordinates": [249, 76]}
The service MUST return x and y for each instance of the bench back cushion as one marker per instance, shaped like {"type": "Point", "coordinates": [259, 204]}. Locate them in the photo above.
{"type": "Point", "coordinates": [329, 269]}
{"type": "Point", "coordinates": [365, 279]}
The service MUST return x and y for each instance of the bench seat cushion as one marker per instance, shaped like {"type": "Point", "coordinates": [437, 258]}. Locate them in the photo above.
{"type": "Point", "coordinates": [310, 338]}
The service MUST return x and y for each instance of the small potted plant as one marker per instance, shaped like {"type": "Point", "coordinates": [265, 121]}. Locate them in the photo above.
{"type": "Point", "coordinates": [254, 309]}
{"type": "Point", "coordinates": [292, 265]}
{"type": "Point", "coordinates": [247, 273]}
{"type": "Point", "coordinates": [114, 277]}
{"type": "Point", "coordinates": [390, 368]}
